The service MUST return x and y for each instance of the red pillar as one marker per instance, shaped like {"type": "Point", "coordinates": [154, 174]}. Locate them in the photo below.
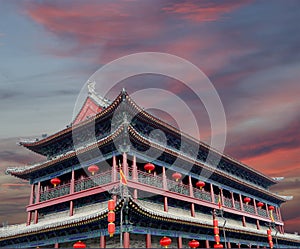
{"type": "Point", "coordinates": [239, 245]}
{"type": "Point", "coordinates": [207, 243]}
{"type": "Point", "coordinates": [191, 187]}
{"type": "Point", "coordinates": [36, 216]}
{"type": "Point", "coordinates": [222, 196]}
{"type": "Point", "coordinates": [29, 214]}
{"type": "Point", "coordinates": [126, 240]}
{"type": "Point", "coordinates": [257, 224]}
{"type": "Point", "coordinates": [71, 208]}
{"type": "Point", "coordinates": [279, 214]}
{"type": "Point", "coordinates": [72, 185]}
{"type": "Point", "coordinates": [148, 240]}
{"type": "Point", "coordinates": [38, 192]}
{"type": "Point", "coordinates": [255, 207]}
{"type": "Point", "coordinates": [166, 204]}
{"type": "Point", "coordinates": [244, 221]}
{"type": "Point", "coordinates": [31, 194]}
{"type": "Point", "coordinates": [165, 186]}
{"type": "Point", "coordinates": [241, 202]}
{"type": "Point", "coordinates": [212, 193]}
{"type": "Point", "coordinates": [56, 245]}
{"type": "Point", "coordinates": [179, 242]}
{"type": "Point", "coordinates": [134, 169]}
{"type": "Point", "coordinates": [114, 170]}
{"type": "Point", "coordinates": [134, 176]}
{"type": "Point", "coordinates": [102, 241]}
{"type": "Point", "coordinates": [192, 209]}
{"type": "Point", "coordinates": [267, 210]}
{"type": "Point", "coordinates": [125, 165]}
{"type": "Point", "coordinates": [228, 245]}
{"type": "Point", "coordinates": [232, 199]}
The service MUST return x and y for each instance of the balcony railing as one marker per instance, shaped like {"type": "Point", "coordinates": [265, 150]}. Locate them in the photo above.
{"type": "Point", "coordinates": [202, 194]}
{"type": "Point", "coordinates": [151, 180]}
{"type": "Point", "coordinates": [55, 192]}
{"type": "Point", "coordinates": [92, 181]}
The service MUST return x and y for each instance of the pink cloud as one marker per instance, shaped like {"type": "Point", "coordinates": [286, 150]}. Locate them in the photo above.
{"type": "Point", "coordinates": [203, 11]}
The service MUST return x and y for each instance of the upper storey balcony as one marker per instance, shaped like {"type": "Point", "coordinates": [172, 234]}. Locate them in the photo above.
{"type": "Point", "coordinates": [163, 184]}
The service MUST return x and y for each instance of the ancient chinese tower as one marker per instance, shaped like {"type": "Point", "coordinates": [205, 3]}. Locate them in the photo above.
{"type": "Point", "coordinates": [159, 202]}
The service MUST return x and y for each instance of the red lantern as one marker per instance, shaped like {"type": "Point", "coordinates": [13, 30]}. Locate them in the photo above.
{"type": "Point", "coordinates": [176, 176]}
{"type": "Point", "coordinates": [271, 208]}
{"type": "Point", "coordinates": [111, 205]}
{"type": "Point", "coordinates": [149, 167]}
{"type": "Point", "coordinates": [165, 242]}
{"type": "Point", "coordinates": [79, 244]}
{"type": "Point", "coordinates": [215, 222]}
{"type": "Point", "coordinates": [217, 238]}
{"type": "Point", "coordinates": [247, 200]}
{"type": "Point", "coordinates": [216, 230]}
{"type": "Point", "coordinates": [260, 205]}
{"type": "Point", "coordinates": [269, 231]}
{"type": "Point", "coordinates": [93, 169]}
{"type": "Point", "coordinates": [218, 246]}
{"type": "Point", "coordinates": [111, 217]}
{"type": "Point", "coordinates": [271, 244]}
{"type": "Point", "coordinates": [55, 181]}
{"type": "Point", "coordinates": [111, 229]}
{"type": "Point", "coordinates": [200, 184]}
{"type": "Point", "coordinates": [194, 244]}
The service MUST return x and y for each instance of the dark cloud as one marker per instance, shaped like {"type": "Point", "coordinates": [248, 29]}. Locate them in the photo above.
{"type": "Point", "coordinates": [286, 138]}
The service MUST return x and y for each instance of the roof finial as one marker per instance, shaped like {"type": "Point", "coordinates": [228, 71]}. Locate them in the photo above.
{"type": "Point", "coordinates": [123, 90]}
{"type": "Point", "coordinates": [91, 87]}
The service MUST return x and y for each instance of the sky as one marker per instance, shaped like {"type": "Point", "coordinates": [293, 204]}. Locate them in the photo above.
{"type": "Point", "coordinates": [248, 49]}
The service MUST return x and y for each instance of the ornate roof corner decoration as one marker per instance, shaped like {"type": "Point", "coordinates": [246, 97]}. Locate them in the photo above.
{"type": "Point", "coordinates": [278, 179]}
{"type": "Point", "coordinates": [102, 101]}
{"type": "Point", "coordinates": [287, 198]}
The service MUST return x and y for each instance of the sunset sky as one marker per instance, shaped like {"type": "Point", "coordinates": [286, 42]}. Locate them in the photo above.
{"type": "Point", "coordinates": [250, 50]}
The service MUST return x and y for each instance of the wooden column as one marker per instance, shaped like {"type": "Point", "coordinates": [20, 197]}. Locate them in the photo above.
{"type": "Point", "coordinates": [165, 185]}
{"type": "Point", "coordinates": [36, 216]}
{"type": "Point", "coordinates": [207, 244]}
{"type": "Point", "coordinates": [114, 170]}
{"type": "Point", "coordinates": [255, 207]}
{"type": "Point", "coordinates": [267, 209]}
{"type": "Point", "coordinates": [126, 240]}
{"type": "Point", "coordinates": [228, 245]}
{"type": "Point", "coordinates": [29, 215]}
{"type": "Point", "coordinates": [239, 245]}
{"type": "Point", "coordinates": [125, 164]}
{"type": "Point", "coordinates": [71, 208]}
{"type": "Point", "coordinates": [134, 176]}
{"type": "Point", "coordinates": [232, 199]}
{"type": "Point", "coordinates": [166, 204]}
{"type": "Point", "coordinates": [134, 169]}
{"type": "Point", "coordinates": [72, 190]}
{"type": "Point", "coordinates": [32, 194]}
{"type": "Point", "coordinates": [38, 194]}
{"type": "Point", "coordinates": [257, 224]}
{"type": "Point", "coordinates": [241, 202]}
{"type": "Point", "coordinates": [212, 194]}
{"type": "Point", "coordinates": [148, 240]}
{"type": "Point", "coordinates": [244, 221]}
{"type": "Point", "coordinates": [222, 196]}
{"type": "Point", "coordinates": [102, 241]}
{"type": "Point", "coordinates": [279, 214]}
{"type": "Point", "coordinates": [192, 209]}
{"type": "Point", "coordinates": [72, 184]}
{"type": "Point", "coordinates": [179, 242]}
{"type": "Point", "coordinates": [191, 187]}
{"type": "Point", "coordinates": [56, 245]}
